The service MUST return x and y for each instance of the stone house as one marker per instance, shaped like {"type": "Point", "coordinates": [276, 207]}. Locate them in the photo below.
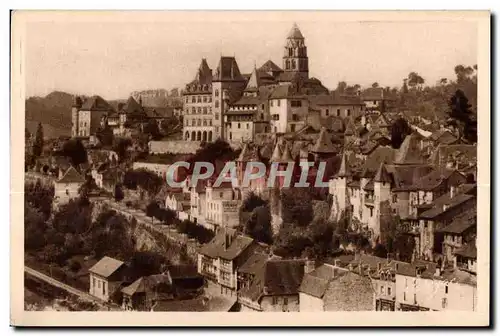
{"type": "Point", "coordinates": [106, 276]}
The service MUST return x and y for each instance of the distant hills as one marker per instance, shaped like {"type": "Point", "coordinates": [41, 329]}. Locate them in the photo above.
{"type": "Point", "coordinates": [54, 110]}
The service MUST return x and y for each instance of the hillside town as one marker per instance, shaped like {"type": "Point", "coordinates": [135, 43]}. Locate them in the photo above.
{"type": "Point", "coordinates": [368, 201]}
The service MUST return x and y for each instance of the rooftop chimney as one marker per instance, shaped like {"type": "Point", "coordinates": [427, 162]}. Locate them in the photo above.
{"type": "Point", "coordinates": [309, 266]}
{"type": "Point", "coordinates": [453, 191]}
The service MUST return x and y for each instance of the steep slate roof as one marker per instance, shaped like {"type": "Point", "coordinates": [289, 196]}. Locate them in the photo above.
{"type": "Point", "coordinates": [344, 170]}
{"type": "Point", "coordinates": [316, 283]}
{"type": "Point", "coordinates": [270, 66]}
{"type": "Point", "coordinates": [443, 136]}
{"type": "Point", "coordinates": [468, 251]}
{"type": "Point", "coordinates": [146, 284]}
{"type": "Point", "coordinates": [409, 152]}
{"type": "Point", "coordinates": [254, 264]}
{"type": "Point", "coordinates": [443, 152]}
{"type": "Point", "coordinates": [277, 277]}
{"type": "Point", "coordinates": [216, 247]}
{"type": "Point", "coordinates": [71, 176]}
{"type": "Point", "coordinates": [228, 70]}
{"type": "Point", "coordinates": [287, 155]}
{"type": "Point", "coordinates": [334, 99]}
{"type": "Point", "coordinates": [132, 107]}
{"type": "Point", "coordinates": [444, 203]}
{"type": "Point", "coordinates": [436, 178]}
{"type": "Point", "coordinates": [203, 74]}
{"type": "Point", "coordinates": [106, 267]}
{"type": "Point", "coordinates": [96, 103]}
{"type": "Point", "coordinates": [382, 175]}
{"type": "Point", "coordinates": [276, 156]}
{"type": "Point", "coordinates": [462, 222]}
{"type": "Point", "coordinates": [323, 144]}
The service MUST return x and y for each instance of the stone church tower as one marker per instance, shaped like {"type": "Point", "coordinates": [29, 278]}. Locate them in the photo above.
{"type": "Point", "coordinates": [295, 58]}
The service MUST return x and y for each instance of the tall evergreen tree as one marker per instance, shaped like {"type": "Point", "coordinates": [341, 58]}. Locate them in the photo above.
{"type": "Point", "coordinates": [462, 117]}
{"type": "Point", "coordinates": [38, 144]}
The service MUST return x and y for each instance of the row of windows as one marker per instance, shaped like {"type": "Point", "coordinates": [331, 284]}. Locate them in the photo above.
{"type": "Point", "coordinates": [278, 102]}
{"type": "Point", "coordinates": [348, 112]}
{"type": "Point", "coordinates": [199, 110]}
{"type": "Point", "coordinates": [247, 125]}
{"type": "Point", "coordinates": [199, 122]}
{"type": "Point", "coordinates": [199, 99]}
{"type": "Point", "coordinates": [382, 290]}
{"type": "Point", "coordinates": [206, 87]}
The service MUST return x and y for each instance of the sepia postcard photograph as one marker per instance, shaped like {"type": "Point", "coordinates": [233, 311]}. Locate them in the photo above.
{"type": "Point", "coordinates": [270, 168]}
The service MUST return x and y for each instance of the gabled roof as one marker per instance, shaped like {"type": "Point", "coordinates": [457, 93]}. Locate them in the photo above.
{"type": "Point", "coordinates": [334, 99]}
{"type": "Point", "coordinates": [287, 155]}
{"type": "Point", "coordinates": [468, 251]}
{"type": "Point", "coordinates": [277, 277]}
{"type": "Point", "coordinates": [270, 66]}
{"type": "Point", "coordinates": [228, 70]}
{"type": "Point", "coordinates": [409, 152]}
{"type": "Point", "coordinates": [382, 175]}
{"type": "Point", "coordinates": [132, 107]}
{"type": "Point", "coordinates": [344, 170]}
{"type": "Point", "coordinates": [295, 33]}
{"type": "Point", "coordinates": [462, 222]}
{"type": "Point", "coordinates": [323, 144]}
{"type": "Point", "coordinates": [254, 264]}
{"type": "Point", "coordinates": [443, 136]}
{"type": "Point", "coordinates": [96, 103]}
{"type": "Point", "coordinates": [444, 204]}
{"type": "Point", "coordinates": [316, 283]}
{"type": "Point", "coordinates": [204, 73]}
{"type": "Point", "coordinates": [71, 176]}
{"type": "Point", "coordinates": [276, 156]}
{"type": "Point", "coordinates": [147, 284]}
{"type": "Point", "coordinates": [106, 267]}
{"type": "Point", "coordinates": [217, 246]}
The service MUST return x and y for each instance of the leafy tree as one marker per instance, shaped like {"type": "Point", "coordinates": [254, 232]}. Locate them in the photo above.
{"type": "Point", "coordinates": [251, 202]}
{"type": "Point", "coordinates": [462, 117]}
{"type": "Point", "coordinates": [120, 146]}
{"type": "Point", "coordinates": [211, 152]}
{"type": "Point", "coordinates": [259, 225]}
{"type": "Point", "coordinates": [105, 135]}
{"type": "Point", "coordinates": [145, 263]}
{"type": "Point", "coordinates": [296, 206]}
{"type": "Point", "coordinates": [375, 85]}
{"type": "Point", "coordinates": [415, 80]}
{"type": "Point", "coordinates": [152, 209]}
{"type": "Point", "coordinates": [34, 228]}
{"type": "Point", "coordinates": [321, 210]}
{"type": "Point", "coordinates": [73, 217]}
{"type": "Point", "coordinates": [40, 197]}
{"type": "Point", "coordinates": [399, 130]}
{"type": "Point", "coordinates": [38, 143]}
{"type": "Point", "coordinates": [152, 130]}
{"type": "Point", "coordinates": [75, 151]}
{"type": "Point", "coordinates": [341, 87]}
{"type": "Point", "coordinates": [118, 194]}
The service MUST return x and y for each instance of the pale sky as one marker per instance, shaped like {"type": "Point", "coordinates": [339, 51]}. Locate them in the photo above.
{"type": "Point", "coordinates": [112, 58]}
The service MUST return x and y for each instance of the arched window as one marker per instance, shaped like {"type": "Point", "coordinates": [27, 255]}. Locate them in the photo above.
{"type": "Point", "coordinates": [187, 136]}
{"type": "Point", "coordinates": [287, 64]}
{"type": "Point", "coordinates": [193, 136]}
{"type": "Point", "coordinates": [216, 92]}
{"type": "Point", "coordinates": [204, 135]}
{"type": "Point", "coordinates": [210, 133]}
{"type": "Point", "coordinates": [198, 136]}
{"type": "Point", "coordinates": [294, 65]}
{"type": "Point", "coordinates": [290, 52]}
{"type": "Point", "coordinates": [193, 99]}
{"type": "Point", "coordinates": [216, 104]}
